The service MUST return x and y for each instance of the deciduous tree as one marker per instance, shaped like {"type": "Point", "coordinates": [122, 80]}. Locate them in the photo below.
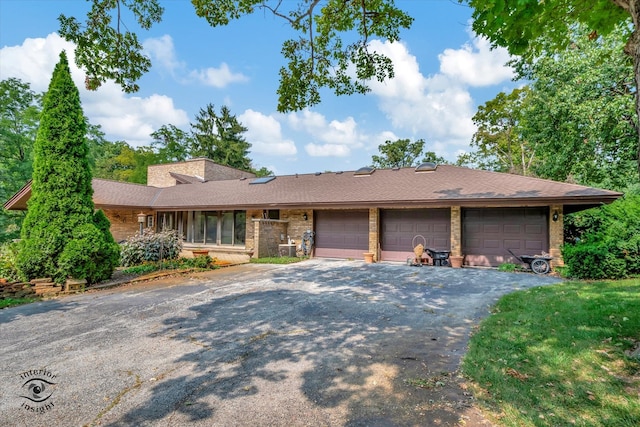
{"type": "Point", "coordinates": [499, 142]}
{"type": "Point", "coordinates": [332, 43]}
{"type": "Point", "coordinates": [403, 153]}
{"type": "Point", "coordinates": [532, 28]}
{"type": "Point", "coordinates": [19, 118]}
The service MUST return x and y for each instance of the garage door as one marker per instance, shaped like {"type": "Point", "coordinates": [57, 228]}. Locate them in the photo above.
{"type": "Point", "coordinates": [400, 226]}
{"type": "Point", "coordinates": [342, 234]}
{"type": "Point", "coordinates": [488, 233]}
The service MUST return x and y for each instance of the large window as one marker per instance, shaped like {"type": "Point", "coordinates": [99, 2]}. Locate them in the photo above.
{"type": "Point", "coordinates": [206, 227]}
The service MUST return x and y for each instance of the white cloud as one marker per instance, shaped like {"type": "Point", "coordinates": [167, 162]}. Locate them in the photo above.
{"type": "Point", "coordinates": [337, 138]}
{"type": "Point", "coordinates": [265, 134]}
{"type": "Point", "coordinates": [162, 52]}
{"type": "Point", "coordinates": [432, 108]}
{"type": "Point", "coordinates": [476, 64]}
{"type": "Point", "coordinates": [217, 77]}
{"type": "Point", "coordinates": [122, 117]}
{"type": "Point", "coordinates": [327, 150]}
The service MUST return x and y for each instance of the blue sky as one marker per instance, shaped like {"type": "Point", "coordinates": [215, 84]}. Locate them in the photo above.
{"type": "Point", "coordinates": [443, 72]}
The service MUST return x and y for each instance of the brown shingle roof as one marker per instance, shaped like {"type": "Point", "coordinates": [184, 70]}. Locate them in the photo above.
{"type": "Point", "coordinates": [446, 186]}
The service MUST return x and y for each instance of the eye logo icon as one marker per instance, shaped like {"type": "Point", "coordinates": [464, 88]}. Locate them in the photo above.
{"type": "Point", "coordinates": [37, 389]}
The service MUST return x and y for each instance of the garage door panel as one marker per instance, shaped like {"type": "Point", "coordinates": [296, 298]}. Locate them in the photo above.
{"type": "Point", "coordinates": [341, 234]}
{"type": "Point", "coordinates": [535, 246]}
{"type": "Point", "coordinates": [533, 229]}
{"type": "Point", "coordinates": [512, 244]}
{"type": "Point", "coordinates": [400, 226]}
{"type": "Point", "coordinates": [487, 234]}
{"type": "Point", "coordinates": [491, 229]}
{"type": "Point", "coordinates": [512, 229]}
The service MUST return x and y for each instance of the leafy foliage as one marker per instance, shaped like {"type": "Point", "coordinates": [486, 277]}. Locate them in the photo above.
{"type": "Point", "coordinates": [59, 236]}
{"type": "Point", "coordinates": [150, 246]}
{"type": "Point", "coordinates": [499, 141]}
{"type": "Point", "coordinates": [608, 245]}
{"type": "Point", "coordinates": [19, 119]}
{"type": "Point", "coordinates": [219, 138]}
{"type": "Point", "coordinates": [8, 259]}
{"type": "Point", "coordinates": [318, 58]}
{"type": "Point", "coordinates": [403, 153]}
{"type": "Point", "coordinates": [533, 29]}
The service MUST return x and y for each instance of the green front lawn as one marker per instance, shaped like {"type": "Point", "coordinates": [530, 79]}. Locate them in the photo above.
{"type": "Point", "coordinates": [563, 355]}
{"type": "Point", "coordinates": [10, 302]}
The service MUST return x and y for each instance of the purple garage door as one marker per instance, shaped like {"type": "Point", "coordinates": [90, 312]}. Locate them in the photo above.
{"type": "Point", "coordinates": [488, 233]}
{"type": "Point", "coordinates": [341, 234]}
{"type": "Point", "coordinates": [400, 226]}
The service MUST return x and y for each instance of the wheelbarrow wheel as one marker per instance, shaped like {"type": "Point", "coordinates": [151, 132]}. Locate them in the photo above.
{"type": "Point", "coordinates": [540, 266]}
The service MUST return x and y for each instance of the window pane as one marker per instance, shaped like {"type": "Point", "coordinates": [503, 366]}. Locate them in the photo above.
{"type": "Point", "coordinates": [240, 227]}
{"type": "Point", "coordinates": [226, 237]}
{"type": "Point", "coordinates": [198, 227]}
{"type": "Point", "coordinates": [212, 228]}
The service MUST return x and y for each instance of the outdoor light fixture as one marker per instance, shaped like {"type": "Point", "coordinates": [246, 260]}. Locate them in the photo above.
{"type": "Point", "coordinates": [304, 216]}
{"type": "Point", "coordinates": [555, 216]}
{"type": "Point", "coordinates": [141, 219]}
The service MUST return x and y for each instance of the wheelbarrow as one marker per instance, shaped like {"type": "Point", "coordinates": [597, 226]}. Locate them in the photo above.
{"type": "Point", "coordinates": [539, 264]}
{"type": "Point", "coordinates": [440, 258]}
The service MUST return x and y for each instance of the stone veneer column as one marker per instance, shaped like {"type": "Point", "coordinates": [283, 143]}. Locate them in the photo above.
{"type": "Point", "coordinates": [256, 239]}
{"type": "Point", "coordinates": [374, 225]}
{"type": "Point", "coordinates": [556, 235]}
{"type": "Point", "coordinates": [456, 231]}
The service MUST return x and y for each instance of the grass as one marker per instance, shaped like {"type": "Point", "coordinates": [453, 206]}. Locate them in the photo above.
{"type": "Point", "coordinates": [10, 302]}
{"type": "Point", "coordinates": [277, 260]}
{"type": "Point", "coordinates": [560, 355]}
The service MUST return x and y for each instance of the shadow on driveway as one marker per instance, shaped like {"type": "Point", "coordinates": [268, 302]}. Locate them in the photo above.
{"type": "Point", "coordinates": [325, 343]}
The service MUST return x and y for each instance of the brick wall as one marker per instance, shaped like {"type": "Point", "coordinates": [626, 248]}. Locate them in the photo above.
{"type": "Point", "coordinates": [556, 235]}
{"type": "Point", "coordinates": [456, 231]}
{"type": "Point", "coordinates": [158, 175]}
{"type": "Point", "coordinates": [374, 234]}
{"type": "Point", "coordinates": [124, 222]}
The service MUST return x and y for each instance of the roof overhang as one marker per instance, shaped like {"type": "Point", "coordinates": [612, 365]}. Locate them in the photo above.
{"type": "Point", "coordinates": [19, 200]}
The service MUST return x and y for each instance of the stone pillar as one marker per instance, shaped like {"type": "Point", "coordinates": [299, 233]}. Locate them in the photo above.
{"type": "Point", "coordinates": [374, 227]}
{"type": "Point", "coordinates": [256, 238]}
{"type": "Point", "coordinates": [556, 234]}
{"type": "Point", "coordinates": [456, 231]}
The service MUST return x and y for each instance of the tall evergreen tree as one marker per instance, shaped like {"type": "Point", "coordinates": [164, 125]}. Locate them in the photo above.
{"type": "Point", "coordinates": [59, 236]}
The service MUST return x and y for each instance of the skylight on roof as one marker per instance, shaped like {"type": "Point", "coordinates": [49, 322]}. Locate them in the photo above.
{"type": "Point", "coordinates": [364, 171]}
{"type": "Point", "coordinates": [426, 167]}
{"type": "Point", "coordinates": [262, 180]}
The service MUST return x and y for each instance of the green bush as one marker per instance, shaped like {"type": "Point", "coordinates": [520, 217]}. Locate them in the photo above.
{"type": "Point", "coordinates": [88, 255]}
{"type": "Point", "coordinates": [608, 246]}
{"type": "Point", "coordinates": [150, 246]}
{"type": "Point", "coordinates": [8, 258]}
{"type": "Point", "coordinates": [507, 266]}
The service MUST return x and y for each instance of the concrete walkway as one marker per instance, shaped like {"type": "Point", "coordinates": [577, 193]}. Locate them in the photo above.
{"type": "Point", "coordinates": [318, 343]}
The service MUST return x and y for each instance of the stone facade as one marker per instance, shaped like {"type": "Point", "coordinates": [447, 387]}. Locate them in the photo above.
{"type": "Point", "coordinates": [159, 175]}
{"type": "Point", "coordinates": [556, 235]}
{"type": "Point", "coordinates": [124, 222]}
{"type": "Point", "coordinates": [456, 231]}
{"type": "Point", "coordinates": [374, 233]}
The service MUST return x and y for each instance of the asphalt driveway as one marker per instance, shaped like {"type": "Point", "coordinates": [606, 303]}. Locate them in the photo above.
{"type": "Point", "coordinates": [318, 343]}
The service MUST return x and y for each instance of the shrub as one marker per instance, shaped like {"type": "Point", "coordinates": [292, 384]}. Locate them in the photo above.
{"type": "Point", "coordinates": [507, 266]}
{"type": "Point", "coordinates": [8, 258]}
{"type": "Point", "coordinates": [88, 255]}
{"type": "Point", "coordinates": [609, 247]}
{"type": "Point", "coordinates": [150, 246]}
